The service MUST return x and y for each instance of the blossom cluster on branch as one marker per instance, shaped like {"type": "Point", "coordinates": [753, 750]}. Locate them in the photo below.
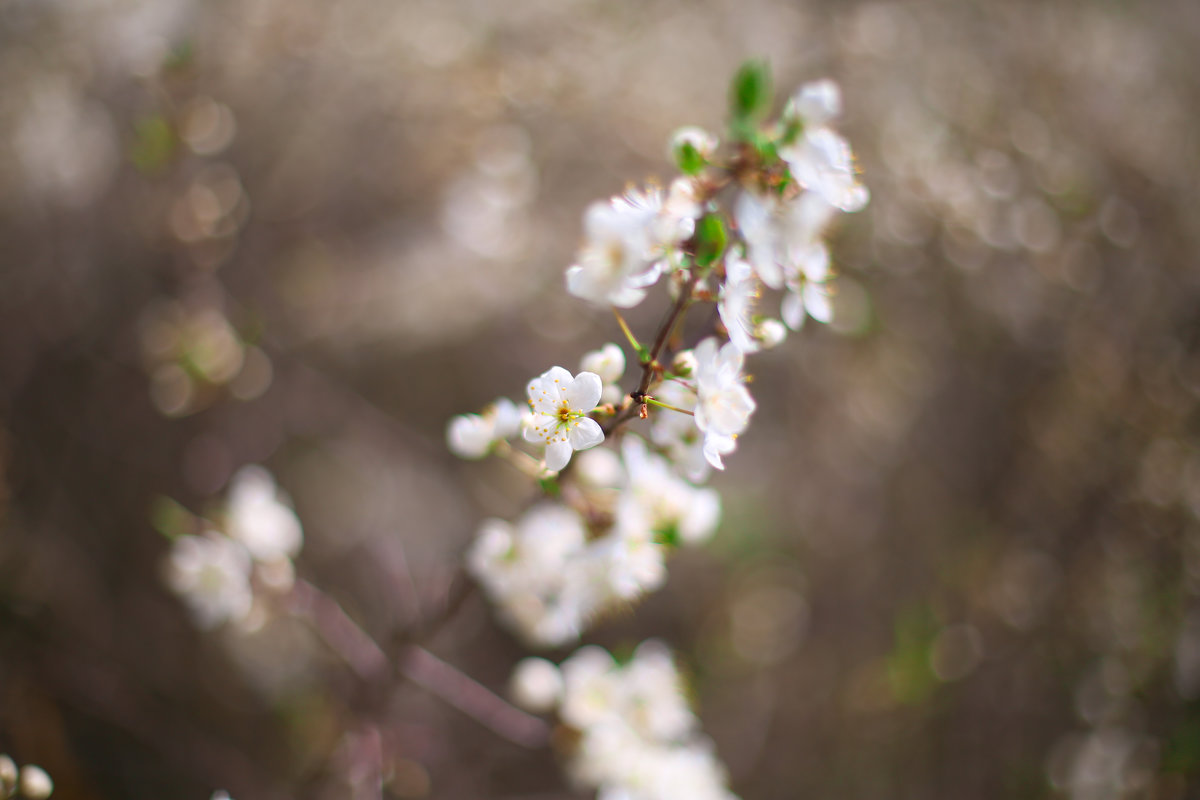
{"type": "Point", "coordinates": [226, 569]}
{"type": "Point", "coordinates": [741, 223]}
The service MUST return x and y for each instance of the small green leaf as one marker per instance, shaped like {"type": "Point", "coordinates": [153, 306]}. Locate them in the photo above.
{"type": "Point", "coordinates": [169, 518]}
{"type": "Point", "coordinates": [153, 144]}
{"type": "Point", "coordinates": [749, 97]}
{"type": "Point", "coordinates": [550, 487]}
{"type": "Point", "coordinates": [711, 239]}
{"type": "Point", "coordinates": [643, 354]}
{"type": "Point", "coordinates": [688, 158]}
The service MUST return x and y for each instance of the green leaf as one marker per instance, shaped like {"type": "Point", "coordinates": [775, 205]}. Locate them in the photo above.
{"type": "Point", "coordinates": [153, 144]}
{"type": "Point", "coordinates": [688, 158]}
{"type": "Point", "coordinates": [711, 239]}
{"type": "Point", "coordinates": [550, 487]}
{"type": "Point", "coordinates": [749, 97]}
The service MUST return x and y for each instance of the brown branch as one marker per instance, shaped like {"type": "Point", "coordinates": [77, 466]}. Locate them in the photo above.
{"type": "Point", "coordinates": [472, 698]}
{"type": "Point", "coordinates": [651, 365]}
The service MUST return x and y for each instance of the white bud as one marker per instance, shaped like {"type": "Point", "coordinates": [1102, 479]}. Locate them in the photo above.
{"type": "Point", "coordinates": [684, 363]}
{"type": "Point", "coordinates": [469, 436]}
{"type": "Point", "coordinates": [35, 783]}
{"type": "Point", "coordinates": [537, 685]}
{"type": "Point", "coordinates": [704, 142]}
{"type": "Point", "coordinates": [608, 362]}
{"type": "Point", "coordinates": [8, 775]}
{"type": "Point", "coordinates": [771, 332]}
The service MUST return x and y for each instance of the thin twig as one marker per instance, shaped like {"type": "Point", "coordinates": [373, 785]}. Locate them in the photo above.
{"type": "Point", "coordinates": [651, 365]}
{"type": "Point", "coordinates": [440, 679]}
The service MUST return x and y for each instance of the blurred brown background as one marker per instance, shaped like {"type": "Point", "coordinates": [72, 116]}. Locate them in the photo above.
{"type": "Point", "coordinates": [960, 555]}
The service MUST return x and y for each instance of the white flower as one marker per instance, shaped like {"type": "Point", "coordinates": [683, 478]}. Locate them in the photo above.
{"type": "Point", "coordinates": [723, 405]}
{"type": "Point", "coordinates": [612, 266]}
{"type": "Point", "coordinates": [656, 499]}
{"type": "Point", "coordinates": [609, 363]}
{"type": "Point", "coordinates": [806, 299]}
{"type": "Point", "coordinates": [560, 406]}
{"type": "Point", "coordinates": [820, 160]}
{"type": "Point", "coordinates": [638, 737]}
{"type": "Point", "coordinates": [212, 575]}
{"type": "Point", "coordinates": [536, 685]}
{"type": "Point", "coordinates": [816, 103]}
{"type": "Point", "coordinates": [473, 435]}
{"type": "Point", "coordinates": [630, 240]}
{"type": "Point", "coordinates": [260, 519]}
{"type": "Point", "coordinates": [739, 297]}
{"type": "Point", "coordinates": [539, 573]}
{"type": "Point", "coordinates": [677, 433]}
{"type": "Point", "coordinates": [781, 235]}
{"type": "Point", "coordinates": [35, 783]}
{"type": "Point", "coordinates": [771, 333]}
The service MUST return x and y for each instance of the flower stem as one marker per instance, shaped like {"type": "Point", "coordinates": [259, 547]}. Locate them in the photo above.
{"type": "Point", "coordinates": [633, 342]}
{"type": "Point", "coordinates": [650, 400]}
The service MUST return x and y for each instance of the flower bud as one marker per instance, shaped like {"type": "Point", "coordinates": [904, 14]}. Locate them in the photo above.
{"type": "Point", "coordinates": [771, 332]}
{"type": "Point", "coordinates": [35, 783]}
{"type": "Point", "coordinates": [537, 685]}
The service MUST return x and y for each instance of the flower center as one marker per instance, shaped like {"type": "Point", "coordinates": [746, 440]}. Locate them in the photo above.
{"type": "Point", "coordinates": [565, 414]}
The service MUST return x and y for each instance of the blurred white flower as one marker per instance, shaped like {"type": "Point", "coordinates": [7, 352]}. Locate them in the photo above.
{"type": "Point", "coordinates": [472, 436]}
{"type": "Point", "coordinates": [609, 363]}
{"type": "Point", "coordinates": [560, 406]}
{"type": "Point", "coordinates": [536, 685]}
{"type": "Point", "coordinates": [816, 103]}
{"type": "Point", "coordinates": [260, 518]}
{"type": "Point", "coordinates": [630, 240]}
{"type": "Point", "coordinates": [211, 573]}
{"type": "Point", "coordinates": [677, 433]}
{"type": "Point", "coordinates": [35, 783]}
{"type": "Point", "coordinates": [724, 405]}
{"type": "Point", "coordinates": [638, 737]}
{"type": "Point", "coordinates": [539, 573]}
{"type": "Point", "coordinates": [738, 302]}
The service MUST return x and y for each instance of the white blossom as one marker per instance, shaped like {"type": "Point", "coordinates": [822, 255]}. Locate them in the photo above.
{"type": "Point", "coordinates": [560, 405]}
{"type": "Point", "coordinates": [211, 573]}
{"type": "Point", "coordinates": [473, 435]}
{"type": "Point", "coordinates": [781, 235]}
{"type": "Point", "coordinates": [539, 572]}
{"type": "Point", "coordinates": [677, 433]}
{"type": "Point", "coordinates": [35, 783]}
{"type": "Point", "coordinates": [260, 518]}
{"type": "Point", "coordinates": [738, 304]}
{"type": "Point", "coordinates": [609, 363]}
{"type": "Point", "coordinates": [536, 685]}
{"type": "Point", "coordinates": [630, 240]}
{"type": "Point", "coordinates": [816, 103]}
{"type": "Point", "coordinates": [637, 735]}
{"type": "Point", "coordinates": [723, 405]}
{"type": "Point", "coordinates": [657, 499]}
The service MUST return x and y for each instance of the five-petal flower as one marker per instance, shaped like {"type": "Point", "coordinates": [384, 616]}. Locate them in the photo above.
{"type": "Point", "coordinates": [560, 406]}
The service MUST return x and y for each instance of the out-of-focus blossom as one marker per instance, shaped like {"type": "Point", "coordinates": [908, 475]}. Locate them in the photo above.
{"type": "Point", "coordinates": [211, 573]}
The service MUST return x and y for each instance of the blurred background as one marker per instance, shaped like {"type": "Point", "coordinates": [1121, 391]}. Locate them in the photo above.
{"type": "Point", "coordinates": [961, 548]}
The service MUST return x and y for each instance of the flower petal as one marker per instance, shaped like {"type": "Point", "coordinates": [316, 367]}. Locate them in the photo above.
{"type": "Point", "coordinates": [583, 394]}
{"type": "Point", "coordinates": [557, 455]}
{"type": "Point", "coordinates": [585, 433]}
{"type": "Point", "coordinates": [538, 427]}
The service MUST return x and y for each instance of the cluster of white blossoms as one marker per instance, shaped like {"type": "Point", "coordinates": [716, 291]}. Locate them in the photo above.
{"type": "Point", "coordinates": [30, 781]}
{"type": "Point", "coordinates": [249, 547]}
{"type": "Point", "coordinates": [727, 231]}
{"type": "Point", "coordinates": [561, 565]}
{"type": "Point", "coordinates": [731, 229]}
{"type": "Point", "coordinates": [636, 736]}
